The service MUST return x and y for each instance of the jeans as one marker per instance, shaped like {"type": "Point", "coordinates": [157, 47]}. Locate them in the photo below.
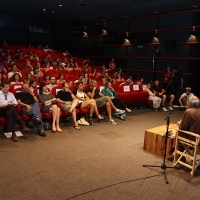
{"type": "Point", "coordinates": [35, 112]}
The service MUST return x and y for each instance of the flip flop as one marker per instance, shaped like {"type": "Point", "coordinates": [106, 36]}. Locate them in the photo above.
{"type": "Point", "coordinates": [77, 127]}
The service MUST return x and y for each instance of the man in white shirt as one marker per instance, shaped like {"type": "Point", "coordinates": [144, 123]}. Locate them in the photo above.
{"type": "Point", "coordinates": [52, 83]}
{"type": "Point", "coordinates": [7, 110]}
{"type": "Point", "coordinates": [184, 97]}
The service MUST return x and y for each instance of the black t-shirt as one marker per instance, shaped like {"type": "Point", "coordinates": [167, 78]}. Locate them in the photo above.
{"type": "Point", "coordinates": [26, 98]}
{"type": "Point", "coordinates": [157, 88]}
{"type": "Point", "coordinates": [176, 79]}
{"type": "Point", "coordinates": [96, 93]}
{"type": "Point", "coordinates": [64, 96]}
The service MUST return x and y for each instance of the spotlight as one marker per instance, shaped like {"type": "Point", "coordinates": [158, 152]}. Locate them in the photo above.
{"type": "Point", "coordinates": [85, 34]}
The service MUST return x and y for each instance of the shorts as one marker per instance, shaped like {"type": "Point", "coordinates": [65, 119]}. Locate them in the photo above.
{"type": "Point", "coordinates": [66, 107]}
{"type": "Point", "coordinates": [100, 102]}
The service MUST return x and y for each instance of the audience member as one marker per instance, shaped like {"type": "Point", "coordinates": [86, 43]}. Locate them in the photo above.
{"type": "Point", "coordinates": [28, 78]}
{"type": "Point", "coordinates": [86, 102]}
{"type": "Point", "coordinates": [61, 79]}
{"type": "Point", "coordinates": [112, 94]}
{"type": "Point", "coordinates": [68, 102]}
{"type": "Point", "coordinates": [46, 78]}
{"type": "Point", "coordinates": [16, 79]}
{"type": "Point", "coordinates": [49, 103]}
{"type": "Point", "coordinates": [7, 109]}
{"type": "Point", "coordinates": [112, 64]}
{"type": "Point", "coordinates": [32, 84]}
{"type": "Point", "coordinates": [184, 97]}
{"type": "Point", "coordinates": [167, 79]}
{"type": "Point", "coordinates": [160, 92]}
{"type": "Point", "coordinates": [152, 96]}
{"type": "Point", "coordinates": [30, 106]}
{"type": "Point", "coordinates": [52, 83]}
{"type": "Point", "coordinates": [102, 100]}
{"type": "Point", "coordinates": [14, 71]}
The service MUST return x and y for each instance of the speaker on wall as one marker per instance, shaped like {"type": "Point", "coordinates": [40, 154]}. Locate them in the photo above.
{"type": "Point", "coordinates": [170, 45]}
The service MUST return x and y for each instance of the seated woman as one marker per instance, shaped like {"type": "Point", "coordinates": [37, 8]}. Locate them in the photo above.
{"type": "Point", "coordinates": [61, 79]}
{"type": "Point", "coordinates": [86, 102]}
{"type": "Point", "coordinates": [46, 79]}
{"type": "Point", "coordinates": [36, 70]}
{"type": "Point", "coordinates": [49, 105]}
{"type": "Point", "coordinates": [140, 81]}
{"type": "Point", "coordinates": [110, 92]}
{"type": "Point", "coordinates": [152, 96]}
{"type": "Point", "coordinates": [76, 67]}
{"type": "Point", "coordinates": [16, 79]}
{"type": "Point", "coordinates": [28, 78]}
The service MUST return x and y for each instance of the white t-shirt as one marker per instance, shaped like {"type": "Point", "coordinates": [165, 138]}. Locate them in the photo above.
{"type": "Point", "coordinates": [81, 95]}
{"type": "Point", "coordinates": [185, 95]}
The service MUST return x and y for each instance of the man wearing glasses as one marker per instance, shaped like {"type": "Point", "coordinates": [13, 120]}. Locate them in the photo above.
{"type": "Point", "coordinates": [52, 83]}
{"type": "Point", "coordinates": [7, 109]}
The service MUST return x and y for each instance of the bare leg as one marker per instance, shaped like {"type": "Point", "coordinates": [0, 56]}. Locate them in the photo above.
{"type": "Point", "coordinates": [54, 113]}
{"type": "Point", "coordinates": [57, 120]}
{"type": "Point", "coordinates": [108, 110]}
{"type": "Point", "coordinates": [74, 104]}
{"type": "Point", "coordinates": [163, 100]}
{"type": "Point", "coordinates": [172, 97]}
{"type": "Point", "coordinates": [111, 103]}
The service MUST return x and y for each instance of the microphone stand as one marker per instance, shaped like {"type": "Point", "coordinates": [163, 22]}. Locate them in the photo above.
{"type": "Point", "coordinates": [163, 165]}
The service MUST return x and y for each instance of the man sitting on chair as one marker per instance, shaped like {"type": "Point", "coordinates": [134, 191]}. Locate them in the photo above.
{"type": "Point", "coordinates": [191, 118]}
{"type": "Point", "coordinates": [184, 97]}
{"type": "Point", "coordinates": [30, 106]}
{"type": "Point", "coordinates": [7, 109]}
{"type": "Point", "coordinates": [160, 92]}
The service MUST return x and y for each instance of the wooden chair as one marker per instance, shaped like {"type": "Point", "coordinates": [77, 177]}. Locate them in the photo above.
{"type": "Point", "coordinates": [190, 143]}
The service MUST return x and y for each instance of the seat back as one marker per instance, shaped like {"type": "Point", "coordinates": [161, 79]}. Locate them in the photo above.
{"type": "Point", "coordinates": [190, 142]}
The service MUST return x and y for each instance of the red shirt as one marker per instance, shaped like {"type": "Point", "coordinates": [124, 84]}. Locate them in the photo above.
{"type": "Point", "coordinates": [167, 76]}
{"type": "Point", "coordinates": [112, 65]}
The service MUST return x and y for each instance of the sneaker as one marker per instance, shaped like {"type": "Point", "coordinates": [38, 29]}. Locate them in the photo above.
{"type": "Point", "coordinates": [170, 107]}
{"type": "Point", "coordinates": [164, 109]}
{"type": "Point", "coordinates": [82, 122]}
{"type": "Point", "coordinates": [111, 121]}
{"type": "Point", "coordinates": [118, 111]}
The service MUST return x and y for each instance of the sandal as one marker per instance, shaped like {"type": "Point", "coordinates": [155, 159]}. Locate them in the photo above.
{"type": "Point", "coordinates": [53, 129]}
{"type": "Point", "coordinates": [77, 127]}
{"type": "Point", "coordinates": [59, 130]}
{"type": "Point", "coordinates": [99, 117]}
{"type": "Point", "coordinates": [90, 121]}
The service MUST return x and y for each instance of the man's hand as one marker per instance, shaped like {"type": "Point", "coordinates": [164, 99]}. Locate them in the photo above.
{"type": "Point", "coordinates": [94, 88]}
{"type": "Point", "coordinates": [28, 108]}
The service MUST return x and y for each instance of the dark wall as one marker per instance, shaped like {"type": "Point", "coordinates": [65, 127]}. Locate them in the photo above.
{"type": "Point", "coordinates": [15, 28]}
{"type": "Point", "coordinates": [173, 47]}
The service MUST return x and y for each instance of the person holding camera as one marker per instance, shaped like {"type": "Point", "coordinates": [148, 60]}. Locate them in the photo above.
{"type": "Point", "coordinates": [49, 103]}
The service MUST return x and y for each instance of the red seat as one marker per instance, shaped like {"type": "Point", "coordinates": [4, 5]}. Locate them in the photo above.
{"type": "Point", "coordinates": [64, 72]}
{"type": "Point", "coordinates": [14, 87]}
{"type": "Point", "coordinates": [124, 93]}
{"type": "Point", "coordinates": [134, 94]}
{"type": "Point", "coordinates": [69, 78]}
{"type": "Point", "coordinates": [53, 72]}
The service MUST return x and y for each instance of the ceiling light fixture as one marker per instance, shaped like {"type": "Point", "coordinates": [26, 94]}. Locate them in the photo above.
{"type": "Point", "coordinates": [60, 5]}
{"type": "Point", "coordinates": [192, 33]}
{"type": "Point", "coordinates": [44, 9]}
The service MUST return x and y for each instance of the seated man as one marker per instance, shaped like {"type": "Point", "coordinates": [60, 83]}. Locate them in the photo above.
{"type": "Point", "coordinates": [30, 106]}
{"type": "Point", "coordinates": [7, 109]}
{"type": "Point", "coordinates": [160, 92]}
{"type": "Point", "coordinates": [52, 83]}
{"type": "Point", "coordinates": [102, 100]}
{"type": "Point", "coordinates": [68, 102]}
{"type": "Point", "coordinates": [191, 119]}
{"type": "Point", "coordinates": [184, 97]}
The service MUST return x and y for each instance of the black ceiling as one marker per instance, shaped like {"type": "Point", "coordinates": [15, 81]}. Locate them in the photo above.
{"type": "Point", "coordinates": [95, 10]}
